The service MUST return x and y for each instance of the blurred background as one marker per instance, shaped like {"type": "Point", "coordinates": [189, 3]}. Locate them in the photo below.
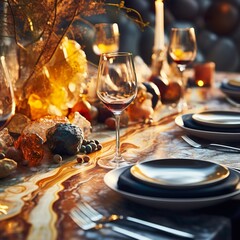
{"type": "Point", "coordinates": [216, 23]}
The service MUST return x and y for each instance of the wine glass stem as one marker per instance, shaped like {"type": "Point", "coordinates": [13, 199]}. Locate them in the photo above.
{"type": "Point", "coordinates": [118, 154]}
{"type": "Point", "coordinates": [182, 80]}
{"type": "Point", "coordinates": [184, 102]}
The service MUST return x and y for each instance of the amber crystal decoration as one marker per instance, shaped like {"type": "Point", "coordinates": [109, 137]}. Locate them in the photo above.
{"type": "Point", "coordinates": [32, 148]}
{"type": "Point", "coordinates": [52, 65]}
{"type": "Point", "coordinates": [59, 85]}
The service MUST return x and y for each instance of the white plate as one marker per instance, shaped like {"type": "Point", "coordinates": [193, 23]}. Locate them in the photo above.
{"type": "Point", "coordinates": [209, 135]}
{"type": "Point", "coordinates": [111, 179]}
{"type": "Point", "coordinates": [225, 119]}
{"type": "Point", "coordinates": [179, 173]}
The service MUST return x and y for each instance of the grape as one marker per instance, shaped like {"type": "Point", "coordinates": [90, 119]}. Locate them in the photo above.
{"type": "Point", "coordinates": [89, 146]}
{"type": "Point", "coordinates": [94, 146]}
{"type": "Point", "coordinates": [57, 158]}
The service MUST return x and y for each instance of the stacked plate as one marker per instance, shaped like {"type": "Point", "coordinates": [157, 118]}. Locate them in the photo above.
{"type": "Point", "coordinates": [212, 125]}
{"type": "Point", "coordinates": [231, 88]}
{"type": "Point", "coordinates": [175, 183]}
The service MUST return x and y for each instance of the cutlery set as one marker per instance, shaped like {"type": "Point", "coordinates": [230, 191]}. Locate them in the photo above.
{"type": "Point", "coordinates": [213, 126]}
{"type": "Point", "coordinates": [214, 146]}
{"type": "Point", "coordinates": [88, 218]}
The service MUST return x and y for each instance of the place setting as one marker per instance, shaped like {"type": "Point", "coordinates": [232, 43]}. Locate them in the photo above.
{"type": "Point", "coordinates": [214, 125]}
{"type": "Point", "coordinates": [231, 89]}
{"type": "Point", "coordinates": [175, 183]}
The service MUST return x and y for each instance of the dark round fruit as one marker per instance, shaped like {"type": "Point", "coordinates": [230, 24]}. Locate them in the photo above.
{"type": "Point", "coordinates": [153, 89]}
{"type": "Point", "coordinates": [88, 148]}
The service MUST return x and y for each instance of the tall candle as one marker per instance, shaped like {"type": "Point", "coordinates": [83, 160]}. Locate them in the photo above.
{"type": "Point", "coordinates": [159, 25]}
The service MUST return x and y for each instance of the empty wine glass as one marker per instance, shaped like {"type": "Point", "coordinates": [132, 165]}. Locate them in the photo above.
{"type": "Point", "coordinates": [7, 110]}
{"type": "Point", "coordinates": [116, 88]}
{"type": "Point", "coordinates": [106, 38]}
{"type": "Point", "coordinates": [7, 102]}
{"type": "Point", "coordinates": [182, 50]}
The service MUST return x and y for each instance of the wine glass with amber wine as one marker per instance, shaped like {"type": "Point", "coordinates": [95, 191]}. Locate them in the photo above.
{"type": "Point", "coordinates": [106, 38]}
{"type": "Point", "coordinates": [116, 89]}
{"type": "Point", "coordinates": [182, 50]}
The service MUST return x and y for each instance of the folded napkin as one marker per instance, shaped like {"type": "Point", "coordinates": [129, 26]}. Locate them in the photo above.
{"type": "Point", "coordinates": [189, 122]}
{"type": "Point", "coordinates": [127, 182]}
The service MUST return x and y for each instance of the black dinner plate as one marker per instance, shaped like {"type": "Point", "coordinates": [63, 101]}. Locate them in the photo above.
{"type": "Point", "coordinates": [179, 173]}
{"type": "Point", "coordinates": [127, 182]}
{"type": "Point", "coordinates": [233, 92]}
{"type": "Point", "coordinates": [111, 179]}
{"type": "Point", "coordinates": [189, 122]}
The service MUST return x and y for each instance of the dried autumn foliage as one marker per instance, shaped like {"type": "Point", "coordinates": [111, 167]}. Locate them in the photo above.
{"type": "Point", "coordinates": [47, 20]}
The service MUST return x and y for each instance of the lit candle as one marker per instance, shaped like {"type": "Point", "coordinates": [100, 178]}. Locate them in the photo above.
{"type": "Point", "coordinates": [159, 25]}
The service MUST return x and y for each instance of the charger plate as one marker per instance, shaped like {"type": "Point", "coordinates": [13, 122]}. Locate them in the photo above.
{"type": "Point", "coordinates": [179, 173]}
{"type": "Point", "coordinates": [111, 180]}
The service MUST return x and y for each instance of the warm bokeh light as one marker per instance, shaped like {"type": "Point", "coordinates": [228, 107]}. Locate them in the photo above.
{"type": "Point", "coordinates": [200, 83]}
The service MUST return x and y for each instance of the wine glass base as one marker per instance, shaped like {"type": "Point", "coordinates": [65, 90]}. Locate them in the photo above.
{"type": "Point", "coordinates": [113, 163]}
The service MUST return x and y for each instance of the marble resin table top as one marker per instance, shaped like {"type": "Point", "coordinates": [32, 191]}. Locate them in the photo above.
{"type": "Point", "coordinates": [43, 197]}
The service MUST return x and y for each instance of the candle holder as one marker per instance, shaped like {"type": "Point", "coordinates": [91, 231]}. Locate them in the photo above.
{"type": "Point", "coordinates": [164, 77]}
{"type": "Point", "coordinates": [159, 65]}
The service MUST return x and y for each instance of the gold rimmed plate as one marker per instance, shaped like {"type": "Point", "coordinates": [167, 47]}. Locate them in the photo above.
{"type": "Point", "coordinates": [179, 173]}
{"type": "Point", "coordinates": [226, 119]}
{"type": "Point", "coordinates": [112, 177]}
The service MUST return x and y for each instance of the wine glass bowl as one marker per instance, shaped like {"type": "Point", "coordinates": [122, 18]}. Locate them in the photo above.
{"type": "Point", "coordinates": [106, 38]}
{"type": "Point", "coordinates": [7, 102]}
{"type": "Point", "coordinates": [182, 50]}
{"type": "Point", "coordinates": [116, 89]}
{"type": "Point", "coordinates": [182, 58]}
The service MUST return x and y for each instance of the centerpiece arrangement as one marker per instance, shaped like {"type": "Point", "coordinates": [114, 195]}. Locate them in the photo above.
{"type": "Point", "coordinates": [52, 78]}
{"type": "Point", "coordinates": [49, 74]}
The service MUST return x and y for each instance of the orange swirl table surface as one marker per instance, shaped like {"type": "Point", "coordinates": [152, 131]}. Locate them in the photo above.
{"type": "Point", "coordinates": [43, 197]}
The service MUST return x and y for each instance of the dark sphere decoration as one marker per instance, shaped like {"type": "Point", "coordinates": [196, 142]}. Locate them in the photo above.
{"type": "Point", "coordinates": [224, 47]}
{"type": "Point", "coordinates": [65, 138]}
{"type": "Point", "coordinates": [203, 5]}
{"type": "Point", "coordinates": [222, 17]}
{"type": "Point", "coordinates": [184, 9]}
{"type": "Point", "coordinates": [206, 41]}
